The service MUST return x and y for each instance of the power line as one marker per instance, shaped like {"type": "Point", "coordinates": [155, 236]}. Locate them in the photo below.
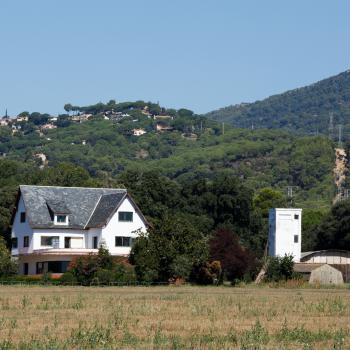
{"type": "Point", "coordinates": [340, 136]}
{"type": "Point", "coordinates": [331, 126]}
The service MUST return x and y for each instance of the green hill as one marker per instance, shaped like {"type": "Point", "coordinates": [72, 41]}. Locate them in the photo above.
{"type": "Point", "coordinates": [194, 148]}
{"type": "Point", "coordinates": [305, 110]}
{"type": "Point", "coordinates": [188, 167]}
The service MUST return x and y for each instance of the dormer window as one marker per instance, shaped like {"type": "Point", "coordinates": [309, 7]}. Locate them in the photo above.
{"type": "Point", "coordinates": [59, 212]}
{"type": "Point", "coordinates": [61, 220]}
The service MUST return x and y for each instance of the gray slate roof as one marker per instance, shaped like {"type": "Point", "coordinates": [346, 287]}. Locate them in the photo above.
{"type": "Point", "coordinates": [105, 208]}
{"type": "Point", "coordinates": [81, 203]}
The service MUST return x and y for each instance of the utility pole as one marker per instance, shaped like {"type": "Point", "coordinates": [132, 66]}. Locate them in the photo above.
{"type": "Point", "coordinates": [223, 128]}
{"type": "Point", "coordinates": [331, 125]}
{"type": "Point", "coordinates": [340, 136]}
{"type": "Point", "coordinates": [290, 193]}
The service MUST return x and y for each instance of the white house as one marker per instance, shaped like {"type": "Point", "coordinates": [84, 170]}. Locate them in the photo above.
{"type": "Point", "coordinates": [285, 232]}
{"type": "Point", "coordinates": [138, 132]}
{"type": "Point", "coordinates": [52, 225]}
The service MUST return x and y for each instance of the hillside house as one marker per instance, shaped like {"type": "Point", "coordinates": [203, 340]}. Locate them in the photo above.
{"type": "Point", "coordinates": [23, 118]}
{"type": "Point", "coordinates": [163, 117]}
{"type": "Point", "coordinates": [48, 126]}
{"type": "Point", "coordinates": [161, 127]}
{"type": "Point", "coordinates": [80, 118]}
{"type": "Point", "coordinates": [52, 225]}
{"type": "Point", "coordinates": [4, 122]}
{"type": "Point", "coordinates": [138, 132]}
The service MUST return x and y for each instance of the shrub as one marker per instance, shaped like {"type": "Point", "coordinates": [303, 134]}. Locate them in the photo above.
{"type": "Point", "coordinates": [7, 266]}
{"type": "Point", "coordinates": [68, 278]}
{"type": "Point", "coordinates": [280, 268]}
{"type": "Point", "coordinates": [209, 273]}
{"type": "Point", "coordinates": [104, 276]}
{"type": "Point", "coordinates": [236, 261]}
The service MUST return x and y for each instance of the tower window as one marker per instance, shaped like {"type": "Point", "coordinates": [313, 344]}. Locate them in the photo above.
{"type": "Point", "coordinates": [296, 216]}
{"type": "Point", "coordinates": [296, 238]}
{"type": "Point", "coordinates": [23, 216]}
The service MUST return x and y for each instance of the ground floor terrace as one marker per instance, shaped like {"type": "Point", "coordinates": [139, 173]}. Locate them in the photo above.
{"type": "Point", "coordinates": [51, 262]}
{"type": "Point", "coordinates": [173, 317]}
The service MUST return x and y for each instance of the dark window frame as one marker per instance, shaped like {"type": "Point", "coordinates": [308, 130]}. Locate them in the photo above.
{"type": "Point", "coordinates": [67, 242]}
{"type": "Point", "coordinates": [14, 242]}
{"type": "Point", "coordinates": [22, 218]}
{"type": "Point", "coordinates": [25, 269]}
{"type": "Point", "coordinates": [25, 241]}
{"type": "Point", "coordinates": [51, 238]}
{"type": "Point", "coordinates": [59, 219]}
{"type": "Point", "coordinates": [296, 217]}
{"type": "Point", "coordinates": [124, 241]}
{"type": "Point", "coordinates": [95, 242]}
{"type": "Point", "coordinates": [126, 216]}
{"type": "Point", "coordinates": [296, 238]}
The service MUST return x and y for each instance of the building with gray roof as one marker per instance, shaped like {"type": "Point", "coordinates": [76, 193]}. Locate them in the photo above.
{"type": "Point", "coordinates": [52, 225]}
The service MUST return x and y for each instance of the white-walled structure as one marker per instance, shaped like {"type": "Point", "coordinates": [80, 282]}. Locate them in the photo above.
{"type": "Point", "coordinates": [52, 225]}
{"type": "Point", "coordinates": [285, 232]}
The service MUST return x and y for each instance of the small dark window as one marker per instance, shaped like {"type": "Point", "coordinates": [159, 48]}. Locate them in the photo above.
{"type": "Point", "coordinates": [14, 242]}
{"type": "Point", "coordinates": [67, 242]}
{"type": "Point", "coordinates": [25, 268]}
{"type": "Point", "coordinates": [26, 241]}
{"type": "Point", "coordinates": [23, 216]}
{"type": "Point", "coordinates": [125, 215]}
{"type": "Point", "coordinates": [61, 219]}
{"type": "Point", "coordinates": [296, 217]}
{"type": "Point", "coordinates": [94, 242]}
{"type": "Point", "coordinates": [122, 241]}
{"type": "Point", "coordinates": [39, 267]}
{"type": "Point", "coordinates": [296, 238]}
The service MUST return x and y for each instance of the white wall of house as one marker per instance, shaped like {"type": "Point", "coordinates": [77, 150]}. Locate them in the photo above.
{"type": "Point", "coordinates": [124, 229]}
{"type": "Point", "coordinates": [80, 239]}
{"type": "Point", "coordinates": [285, 232]}
{"type": "Point", "coordinates": [93, 232]}
{"type": "Point", "coordinates": [21, 229]}
{"type": "Point", "coordinates": [33, 259]}
{"type": "Point", "coordinates": [61, 233]}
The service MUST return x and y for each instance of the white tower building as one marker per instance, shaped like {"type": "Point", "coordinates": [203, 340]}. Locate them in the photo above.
{"type": "Point", "coordinates": [285, 232]}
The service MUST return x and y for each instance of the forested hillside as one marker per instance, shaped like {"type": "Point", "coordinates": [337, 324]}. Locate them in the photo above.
{"type": "Point", "coordinates": [305, 110]}
{"type": "Point", "coordinates": [189, 168]}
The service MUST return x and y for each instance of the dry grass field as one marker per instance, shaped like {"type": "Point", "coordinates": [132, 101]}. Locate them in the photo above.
{"type": "Point", "coordinates": [40, 317]}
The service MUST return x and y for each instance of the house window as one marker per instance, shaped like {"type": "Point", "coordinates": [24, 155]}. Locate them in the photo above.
{"type": "Point", "coordinates": [25, 268]}
{"type": "Point", "coordinates": [296, 238]}
{"type": "Point", "coordinates": [51, 266]}
{"type": "Point", "coordinates": [296, 216]}
{"type": "Point", "coordinates": [125, 216]}
{"type": "Point", "coordinates": [25, 241]}
{"type": "Point", "coordinates": [23, 216]}
{"type": "Point", "coordinates": [67, 242]}
{"type": "Point", "coordinates": [14, 242]}
{"type": "Point", "coordinates": [61, 219]}
{"type": "Point", "coordinates": [50, 241]}
{"type": "Point", "coordinates": [94, 242]}
{"type": "Point", "coordinates": [121, 241]}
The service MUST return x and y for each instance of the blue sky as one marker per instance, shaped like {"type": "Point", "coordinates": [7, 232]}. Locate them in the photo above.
{"type": "Point", "coordinates": [197, 54]}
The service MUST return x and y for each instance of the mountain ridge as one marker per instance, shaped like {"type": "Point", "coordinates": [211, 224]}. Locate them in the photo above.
{"type": "Point", "coordinates": [305, 109]}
